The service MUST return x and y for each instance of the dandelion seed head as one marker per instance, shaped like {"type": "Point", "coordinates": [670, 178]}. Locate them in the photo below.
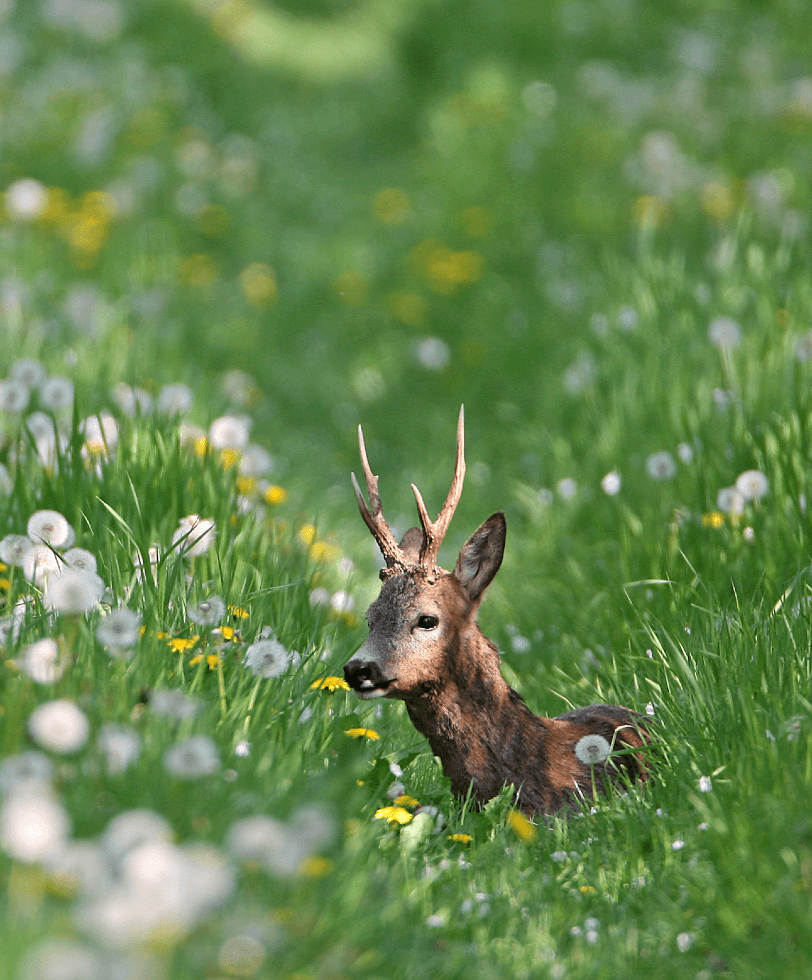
{"type": "Point", "coordinates": [592, 749]}
{"type": "Point", "coordinates": [51, 528]}
{"type": "Point", "coordinates": [131, 828]}
{"type": "Point", "coordinates": [207, 612]}
{"type": "Point", "coordinates": [33, 826]}
{"type": "Point", "coordinates": [267, 658]}
{"type": "Point", "coordinates": [14, 549]}
{"type": "Point", "coordinates": [56, 394]}
{"type": "Point", "coordinates": [230, 432]}
{"type": "Point", "coordinates": [685, 941]}
{"type": "Point", "coordinates": [80, 559]}
{"type": "Point", "coordinates": [59, 726]}
{"type": "Point", "coordinates": [705, 784]}
{"type": "Point", "coordinates": [192, 758]}
{"type": "Point", "coordinates": [729, 500]}
{"type": "Point", "coordinates": [28, 771]}
{"type": "Point", "coordinates": [661, 466]}
{"type": "Point", "coordinates": [174, 704]}
{"type": "Point", "coordinates": [28, 372]}
{"type": "Point", "coordinates": [41, 661]}
{"type": "Point", "coordinates": [73, 591]}
{"type": "Point", "coordinates": [132, 401]}
{"type": "Point", "coordinates": [120, 629]}
{"type": "Point", "coordinates": [566, 488]}
{"type": "Point", "coordinates": [752, 484]}
{"type": "Point", "coordinates": [195, 535]}
{"type": "Point", "coordinates": [175, 399]}
{"type": "Point", "coordinates": [120, 745]}
{"type": "Point", "coordinates": [26, 199]}
{"type": "Point", "coordinates": [14, 396]}
{"type": "Point", "coordinates": [62, 959]}
{"type": "Point", "coordinates": [611, 483]}
{"type": "Point", "coordinates": [432, 353]}
{"type": "Point", "coordinates": [100, 434]}
{"type": "Point", "coordinates": [724, 333]}
{"type": "Point", "coordinates": [41, 563]}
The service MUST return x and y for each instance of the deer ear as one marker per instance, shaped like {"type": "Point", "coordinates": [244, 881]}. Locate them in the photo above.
{"type": "Point", "coordinates": [481, 556]}
{"type": "Point", "coordinates": [411, 543]}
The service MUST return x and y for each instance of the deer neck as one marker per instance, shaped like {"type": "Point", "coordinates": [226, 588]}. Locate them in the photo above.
{"type": "Point", "coordinates": [476, 724]}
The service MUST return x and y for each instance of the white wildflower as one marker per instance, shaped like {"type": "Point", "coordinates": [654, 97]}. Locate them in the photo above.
{"type": "Point", "coordinates": [119, 630]}
{"type": "Point", "coordinates": [592, 749]}
{"type": "Point", "coordinates": [56, 394]}
{"type": "Point", "coordinates": [730, 501]}
{"type": "Point", "coordinates": [724, 333]}
{"type": "Point", "coordinates": [661, 466]}
{"type": "Point", "coordinates": [79, 558]}
{"type": "Point", "coordinates": [192, 758]}
{"type": "Point", "coordinates": [267, 658]}
{"type": "Point", "coordinates": [242, 749]}
{"type": "Point", "coordinates": [132, 828]}
{"type": "Point", "coordinates": [28, 771]}
{"type": "Point", "coordinates": [256, 461]}
{"type": "Point", "coordinates": [174, 704]}
{"type": "Point", "coordinates": [132, 401]}
{"type": "Point", "coordinates": [14, 396]}
{"type": "Point", "coordinates": [40, 563]}
{"type": "Point", "coordinates": [28, 372]}
{"type": "Point", "coordinates": [175, 399]}
{"type": "Point", "coordinates": [195, 535]}
{"type": "Point", "coordinates": [566, 488]}
{"type": "Point", "coordinates": [33, 826]}
{"type": "Point", "coordinates": [239, 387]}
{"type": "Point", "coordinates": [42, 662]}
{"type": "Point", "coordinates": [51, 528]}
{"type": "Point", "coordinates": [120, 745]}
{"type": "Point", "coordinates": [318, 597]}
{"type": "Point", "coordinates": [26, 199]}
{"type": "Point", "coordinates": [685, 941]}
{"type": "Point", "coordinates": [59, 726]}
{"type": "Point", "coordinates": [154, 555]}
{"type": "Point", "coordinates": [81, 866]}
{"type": "Point", "coordinates": [650, 709]}
{"type": "Point", "coordinates": [752, 484]}
{"type": "Point", "coordinates": [62, 959]}
{"type": "Point", "coordinates": [100, 434]}
{"type": "Point", "coordinates": [432, 353]}
{"type": "Point", "coordinates": [14, 549]}
{"type": "Point", "coordinates": [611, 484]}
{"type": "Point", "coordinates": [41, 426]}
{"type": "Point", "coordinates": [685, 452]}
{"type": "Point", "coordinates": [208, 612]}
{"type": "Point", "coordinates": [342, 601]}
{"type": "Point", "coordinates": [229, 432]}
{"type": "Point", "coordinates": [677, 845]}
{"type": "Point", "coordinates": [73, 591]}
{"type": "Point", "coordinates": [705, 784]}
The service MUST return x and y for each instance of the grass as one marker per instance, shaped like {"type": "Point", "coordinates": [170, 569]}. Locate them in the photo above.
{"type": "Point", "coordinates": [548, 227]}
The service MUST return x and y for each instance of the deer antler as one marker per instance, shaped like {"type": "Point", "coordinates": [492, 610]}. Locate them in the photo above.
{"type": "Point", "coordinates": [434, 531]}
{"type": "Point", "coordinates": [393, 556]}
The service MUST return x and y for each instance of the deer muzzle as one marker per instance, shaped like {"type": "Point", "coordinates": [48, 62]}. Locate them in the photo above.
{"type": "Point", "coordinates": [366, 678]}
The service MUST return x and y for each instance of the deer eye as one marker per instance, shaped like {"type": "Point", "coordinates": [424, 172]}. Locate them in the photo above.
{"type": "Point", "coordinates": [427, 622]}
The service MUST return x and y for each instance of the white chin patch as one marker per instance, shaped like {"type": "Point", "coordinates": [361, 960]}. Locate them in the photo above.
{"type": "Point", "coordinates": [368, 693]}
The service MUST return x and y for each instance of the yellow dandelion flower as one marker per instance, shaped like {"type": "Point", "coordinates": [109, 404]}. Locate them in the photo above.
{"type": "Point", "coordinates": [717, 200]}
{"type": "Point", "coordinates": [5, 584]}
{"type": "Point", "coordinates": [406, 800]}
{"type": "Point", "coordinates": [179, 644]}
{"type": "Point", "coordinates": [714, 519]}
{"type": "Point", "coordinates": [369, 733]}
{"type": "Point", "coordinates": [461, 838]}
{"type": "Point", "coordinates": [446, 269]}
{"type": "Point", "coordinates": [213, 661]}
{"type": "Point", "coordinates": [394, 814]}
{"type": "Point", "coordinates": [196, 659]}
{"type": "Point", "coordinates": [201, 446]}
{"type": "Point", "coordinates": [197, 271]}
{"type": "Point", "coordinates": [587, 890]}
{"type": "Point", "coordinates": [259, 286]}
{"type": "Point", "coordinates": [246, 485]}
{"type": "Point", "coordinates": [307, 534]}
{"type": "Point", "coordinates": [651, 211]}
{"type": "Point", "coordinates": [315, 867]}
{"type": "Point", "coordinates": [330, 684]}
{"type": "Point", "coordinates": [391, 206]}
{"type": "Point", "coordinates": [521, 826]}
{"type": "Point", "coordinates": [229, 458]}
{"type": "Point", "coordinates": [322, 551]}
{"type": "Point", "coordinates": [227, 632]}
{"type": "Point", "coordinates": [238, 612]}
{"type": "Point", "coordinates": [275, 495]}
{"type": "Point", "coordinates": [3, 567]}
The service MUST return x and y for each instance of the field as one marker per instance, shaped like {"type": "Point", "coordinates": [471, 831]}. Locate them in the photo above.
{"type": "Point", "coordinates": [232, 231]}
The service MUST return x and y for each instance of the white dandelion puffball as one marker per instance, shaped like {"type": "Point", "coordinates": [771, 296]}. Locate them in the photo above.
{"type": "Point", "coordinates": [432, 353]}
{"type": "Point", "coordinates": [59, 726]}
{"type": "Point", "coordinates": [229, 432]}
{"type": "Point", "coordinates": [705, 784]}
{"type": "Point", "coordinates": [661, 466]}
{"type": "Point", "coordinates": [33, 826]}
{"type": "Point", "coordinates": [40, 563]}
{"type": "Point", "coordinates": [566, 488]}
{"type": "Point", "coordinates": [592, 749]}
{"type": "Point", "coordinates": [81, 559]}
{"type": "Point", "coordinates": [119, 630]}
{"type": "Point", "coordinates": [752, 484]}
{"type": "Point", "coordinates": [267, 658]}
{"type": "Point", "coordinates": [256, 461]}
{"type": "Point", "coordinates": [611, 483]}
{"type": "Point", "coordinates": [51, 528]}
{"type": "Point", "coordinates": [132, 401]}
{"type": "Point", "coordinates": [730, 501]}
{"type": "Point", "coordinates": [26, 199]}
{"type": "Point", "coordinates": [175, 399]}
{"type": "Point", "coordinates": [42, 663]}
{"type": "Point", "coordinates": [62, 959]}
{"type": "Point", "coordinates": [14, 548]}
{"type": "Point", "coordinates": [120, 746]}
{"type": "Point", "coordinates": [208, 612]}
{"type": "Point", "coordinates": [28, 372]}
{"type": "Point", "coordinates": [28, 772]}
{"type": "Point", "coordinates": [724, 333]}
{"type": "Point", "coordinates": [100, 433]}
{"type": "Point", "coordinates": [174, 704]}
{"type": "Point", "coordinates": [73, 591]}
{"type": "Point", "coordinates": [195, 535]}
{"type": "Point", "coordinates": [14, 396]}
{"type": "Point", "coordinates": [192, 758]}
{"type": "Point", "coordinates": [131, 828]}
{"type": "Point", "coordinates": [56, 394]}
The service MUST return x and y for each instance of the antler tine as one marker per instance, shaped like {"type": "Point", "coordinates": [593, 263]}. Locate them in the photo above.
{"type": "Point", "coordinates": [374, 518]}
{"type": "Point", "coordinates": [434, 531]}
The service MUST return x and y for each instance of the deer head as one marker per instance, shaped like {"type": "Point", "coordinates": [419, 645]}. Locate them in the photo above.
{"type": "Point", "coordinates": [422, 610]}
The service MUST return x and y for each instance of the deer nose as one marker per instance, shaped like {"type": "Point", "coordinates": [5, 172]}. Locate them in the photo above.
{"type": "Point", "coordinates": [364, 675]}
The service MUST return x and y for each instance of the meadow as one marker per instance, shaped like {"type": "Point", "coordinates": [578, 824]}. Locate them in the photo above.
{"type": "Point", "coordinates": [229, 233]}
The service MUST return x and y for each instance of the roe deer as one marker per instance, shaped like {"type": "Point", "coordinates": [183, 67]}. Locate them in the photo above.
{"type": "Point", "coordinates": [425, 648]}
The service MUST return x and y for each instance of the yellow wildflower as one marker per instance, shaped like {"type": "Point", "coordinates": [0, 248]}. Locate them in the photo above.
{"type": "Point", "coordinates": [213, 661]}
{"type": "Point", "coordinates": [227, 632]}
{"type": "Point", "coordinates": [461, 838]}
{"type": "Point", "coordinates": [330, 684]}
{"type": "Point", "coordinates": [521, 826]}
{"type": "Point", "coordinates": [259, 286]}
{"type": "Point", "coordinates": [3, 567]}
{"type": "Point", "coordinates": [275, 495]}
{"type": "Point", "coordinates": [179, 644]}
{"type": "Point", "coordinates": [238, 612]}
{"type": "Point", "coordinates": [5, 584]}
{"type": "Point", "coordinates": [246, 485]}
{"type": "Point", "coordinates": [405, 800]}
{"type": "Point", "coordinates": [196, 659]}
{"type": "Point", "coordinates": [369, 733]}
{"type": "Point", "coordinates": [307, 534]}
{"type": "Point", "coordinates": [587, 890]}
{"type": "Point", "coordinates": [322, 551]}
{"type": "Point", "coordinates": [394, 814]}
{"type": "Point", "coordinates": [651, 211]}
{"type": "Point", "coordinates": [229, 458]}
{"type": "Point", "coordinates": [714, 519]}
{"type": "Point", "coordinates": [201, 446]}
{"type": "Point", "coordinates": [198, 271]}
{"type": "Point", "coordinates": [316, 867]}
